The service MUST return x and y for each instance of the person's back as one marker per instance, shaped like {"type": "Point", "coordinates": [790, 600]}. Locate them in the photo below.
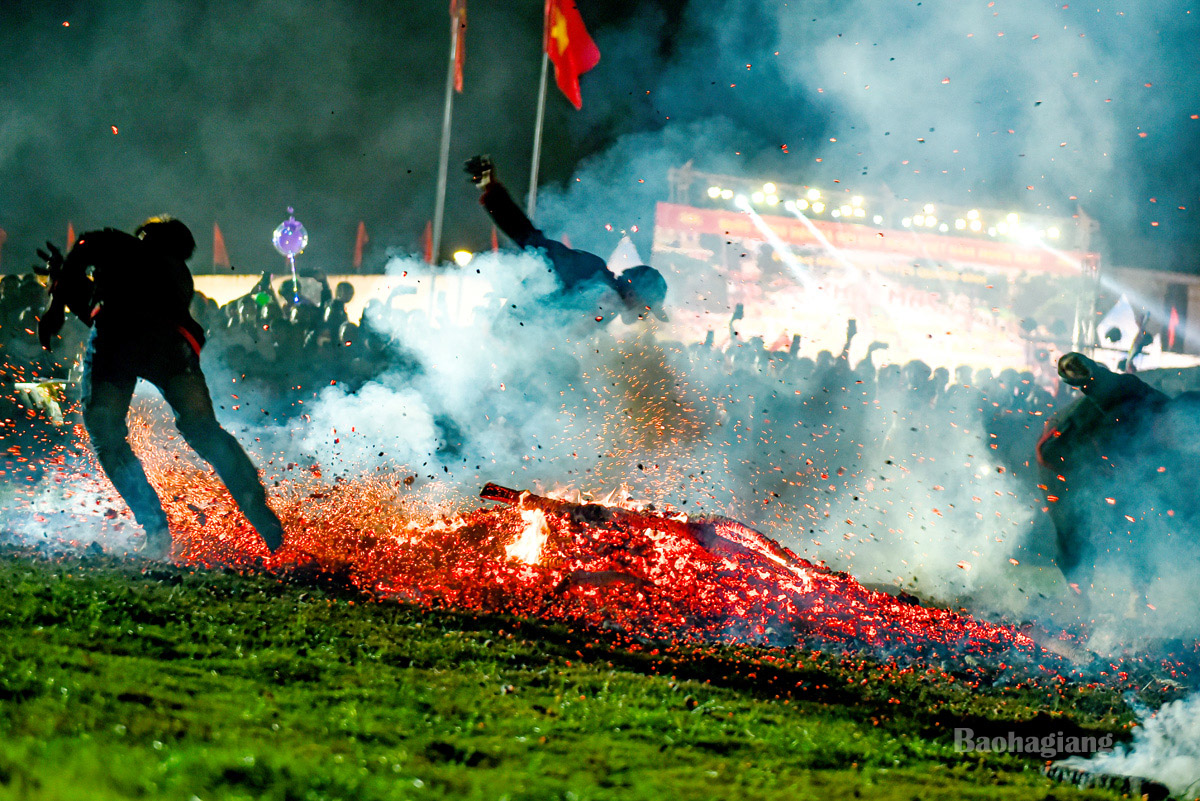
{"type": "Point", "coordinates": [135, 292]}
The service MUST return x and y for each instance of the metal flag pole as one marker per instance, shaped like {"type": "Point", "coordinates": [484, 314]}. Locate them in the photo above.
{"type": "Point", "coordinates": [531, 203]}
{"type": "Point", "coordinates": [444, 160]}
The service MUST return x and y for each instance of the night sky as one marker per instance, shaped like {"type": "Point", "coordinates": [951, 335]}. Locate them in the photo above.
{"type": "Point", "coordinates": [230, 112]}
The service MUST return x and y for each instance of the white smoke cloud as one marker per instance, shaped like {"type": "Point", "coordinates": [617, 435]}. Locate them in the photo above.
{"type": "Point", "coordinates": [1165, 747]}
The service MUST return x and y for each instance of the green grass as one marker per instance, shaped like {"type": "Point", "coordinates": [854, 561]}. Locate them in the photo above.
{"type": "Point", "coordinates": [120, 681]}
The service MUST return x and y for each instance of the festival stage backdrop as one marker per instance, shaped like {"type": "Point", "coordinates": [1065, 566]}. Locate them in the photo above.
{"type": "Point", "coordinates": [945, 299]}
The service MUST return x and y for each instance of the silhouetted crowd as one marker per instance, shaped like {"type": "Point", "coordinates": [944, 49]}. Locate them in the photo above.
{"type": "Point", "coordinates": [279, 348]}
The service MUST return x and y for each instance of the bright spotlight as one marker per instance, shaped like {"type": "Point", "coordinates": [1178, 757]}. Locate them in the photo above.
{"type": "Point", "coordinates": [860, 212]}
{"type": "Point", "coordinates": [769, 188]}
{"type": "Point", "coordinates": [757, 197]}
{"type": "Point", "coordinates": [856, 201]}
{"type": "Point", "coordinates": [943, 228]}
{"type": "Point", "coordinates": [742, 202]}
{"type": "Point", "coordinates": [1012, 218]}
{"type": "Point", "coordinates": [1053, 233]}
{"type": "Point", "coordinates": [463, 257]}
{"type": "Point", "coordinates": [928, 208]}
{"type": "Point", "coordinates": [973, 214]}
{"type": "Point", "coordinates": [846, 210]}
{"type": "Point", "coordinates": [835, 213]}
{"type": "Point", "coordinates": [802, 204]}
{"type": "Point", "coordinates": [772, 200]}
{"type": "Point", "coordinates": [813, 194]}
{"type": "Point", "coordinates": [818, 207]}
{"type": "Point", "coordinates": [790, 205]}
{"type": "Point", "coordinates": [960, 224]}
{"type": "Point", "coordinates": [714, 192]}
{"type": "Point", "coordinates": [919, 220]}
{"type": "Point", "coordinates": [976, 225]}
{"type": "Point", "coordinates": [1002, 227]}
{"type": "Point", "coordinates": [727, 194]}
{"type": "Point", "coordinates": [907, 222]}
{"type": "Point", "coordinates": [877, 219]}
{"type": "Point", "coordinates": [930, 221]}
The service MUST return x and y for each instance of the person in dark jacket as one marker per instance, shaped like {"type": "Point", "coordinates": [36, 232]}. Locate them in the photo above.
{"type": "Point", "coordinates": [136, 300]}
{"type": "Point", "coordinates": [639, 290]}
{"type": "Point", "coordinates": [1099, 461]}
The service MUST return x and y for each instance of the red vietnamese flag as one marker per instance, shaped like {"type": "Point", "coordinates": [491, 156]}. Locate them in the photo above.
{"type": "Point", "coordinates": [569, 47]}
{"type": "Point", "coordinates": [458, 12]}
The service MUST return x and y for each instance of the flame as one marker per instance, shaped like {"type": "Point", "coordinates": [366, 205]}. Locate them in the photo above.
{"type": "Point", "coordinates": [527, 547]}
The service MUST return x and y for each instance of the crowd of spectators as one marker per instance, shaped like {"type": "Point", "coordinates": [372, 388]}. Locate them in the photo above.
{"type": "Point", "coordinates": [775, 406]}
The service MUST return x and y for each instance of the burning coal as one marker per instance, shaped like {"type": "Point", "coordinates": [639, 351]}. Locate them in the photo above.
{"type": "Point", "coordinates": [649, 573]}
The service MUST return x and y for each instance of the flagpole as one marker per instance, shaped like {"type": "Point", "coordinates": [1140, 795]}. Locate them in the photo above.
{"type": "Point", "coordinates": [444, 160]}
{"type": "Point", "coordinates": [531, 203]}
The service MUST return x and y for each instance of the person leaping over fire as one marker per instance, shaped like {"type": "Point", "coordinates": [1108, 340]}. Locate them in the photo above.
{"type": "Point", "coordinates": [133, 291]}
{"type": "Point", "coordinates": [639, 290]}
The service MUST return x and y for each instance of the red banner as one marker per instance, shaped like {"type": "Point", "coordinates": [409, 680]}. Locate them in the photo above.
{"type": "Point", "coordinates": [865, 239]}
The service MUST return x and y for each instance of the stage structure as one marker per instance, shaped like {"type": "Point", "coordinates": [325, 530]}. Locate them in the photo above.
{"type": "Point", "coordinates": [944, 284]}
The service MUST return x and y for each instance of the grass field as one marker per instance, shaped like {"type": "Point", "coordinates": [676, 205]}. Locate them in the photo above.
{"type": "Point", "coordinates": [126, 680]}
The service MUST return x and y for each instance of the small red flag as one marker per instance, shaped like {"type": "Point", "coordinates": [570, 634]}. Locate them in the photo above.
{"type": "Point", "coordinates": [458, 12]}
{"type": "Point", "coordinates": [70, 235]}
{"type": "Point", "coordinates": [569, 46]}
{"type": "Point", "coordinates": [428, 239]}
{"type": "Point", "coordinates": [220, 254]}
{"type": "Point", "coordinates": [360, 240]}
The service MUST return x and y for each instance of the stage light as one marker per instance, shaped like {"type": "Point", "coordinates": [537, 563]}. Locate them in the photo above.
{"type": "Point", "coordinates": [928, 208]}
{"type": "Point", "coordinates": [790, 205]}
{"type": "Point", "coordinates": [943, 228]}
{"type": "Point", "coordinates": [992, 231]}
{"type": "Point", "coordinates": [860, 212]}
{"type": "Point", "coordinates": [877, 219]}
{"type": "Point", "coordinates": [1053, 232]}
{"type": "Point", "coordinates": [973, 214]}
{"type": "Point", "coordinates": [802, 204]}
{"type": "Point", "coordinates": [818, 207]}
{"type": "Point", "coordinates": [976, 225]}
{"type": "Point", "coordinates": [856, 201]}
{"type": "Point", "coordinates": [835, 213]}
{"type": "Point", "coordinates": [930, 221]}
{"type": "Point", "coordinates": [1002, 227]}
{"type": "Point", "coordinates": [742, 202]}
{"type": "Point", "coordinates": [960, 224]}
{"type": "Point", "coordinates": [846, 210]}
{"type": "Point", "coordinates": [757, 197]}
{"type": "Point", "coordinates": [463, 257]}
{"type": "Point", "coordinates": [772, 200]}
{"type": "Point", "coordinates": [714, 192]}
{"type": "Point", "coordinates": [1012, 218]}
{"type": "Point", "coordinates": [726, 194]}
{"type": "Point", "coordinates": [769, 188]}
{"type": "Point", "coordinates": [907, 222]}
{"type": "Point", "coordinates": [813, 194]}
{"type": "Point", "coordinates": [919, 220]}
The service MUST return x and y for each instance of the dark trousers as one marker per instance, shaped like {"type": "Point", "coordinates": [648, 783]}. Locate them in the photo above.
{"type": "Point", "coordinates": [111, 368]}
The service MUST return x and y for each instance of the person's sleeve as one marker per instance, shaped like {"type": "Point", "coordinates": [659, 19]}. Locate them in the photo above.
{"type": "Point", "coordinates": [74, 287]}
{"type": "Point", "coordinates": [507, 215]}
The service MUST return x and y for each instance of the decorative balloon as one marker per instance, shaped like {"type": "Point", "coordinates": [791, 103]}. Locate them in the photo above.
{"type": "Point", "coordinates": [290, 239]}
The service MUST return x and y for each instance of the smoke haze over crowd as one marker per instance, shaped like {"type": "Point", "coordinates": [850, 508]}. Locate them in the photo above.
{"type": "Point", "coordinates": [229, 113]}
